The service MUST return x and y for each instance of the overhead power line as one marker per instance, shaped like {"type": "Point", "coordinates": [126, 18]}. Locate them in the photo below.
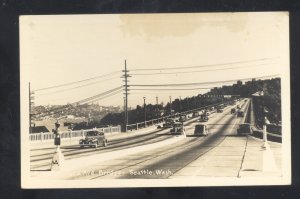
{"type": "Point", "coordinates": [67, 89]}
{"type": "Point", "coordinates": [200, 66]}
{"type": "Point", "coordinates": [104, 97]}
{"type": "Point", "coordinates": [198, 71]}
{"type": "Point", "coordinates": [84, 101]}
{"type": "Point", "coordinates": [172, 89]}
{"type": "Point", "coordinates": [99, 95]}
{"type": "Point", "coordinates": [198, 83]}
{"type": "Point", "coordinates": [76, 82]}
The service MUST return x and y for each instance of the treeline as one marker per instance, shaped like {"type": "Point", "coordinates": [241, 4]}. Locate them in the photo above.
{"type": "Point", "coordinates": [271, 99]}
{"type": "Point", "coordinates": [155, 111]}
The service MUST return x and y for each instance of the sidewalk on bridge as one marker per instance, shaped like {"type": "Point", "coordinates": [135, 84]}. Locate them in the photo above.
{"type": "Point", "coordinates": [257, 160]}
{"type": "Point", "coordinates": [240, 157]}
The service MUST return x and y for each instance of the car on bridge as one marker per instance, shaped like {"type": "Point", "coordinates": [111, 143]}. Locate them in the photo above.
{"type": "Point", "coordinates": [93, 138]}
{"type": "Point", "coordinates": [182, 118]}
{"type": "Point", "coordinates": [207, 113]}
{"type": "Point", "coordinates": [168, 123]}
{"type": "Point", "coordinates": [203, 118]}
{"type": "Point", "coordinates": [195, 114]}
{"type": "Point", "coordinates": [177, 128]}
{"type": "Point", "coordinates": [201, 129]}
{"type": "Point", "coordinates": [232, 111]}
{"type": "Point", "coordinates": [244, 129]}
{"type": "Point", "coordinates": [219, 110]}
{"type": "Point", "coordinates": [240, 114]}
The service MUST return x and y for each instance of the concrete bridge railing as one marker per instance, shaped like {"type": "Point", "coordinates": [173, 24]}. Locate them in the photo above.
{"type": "Point", "coordinates": [49, 136]}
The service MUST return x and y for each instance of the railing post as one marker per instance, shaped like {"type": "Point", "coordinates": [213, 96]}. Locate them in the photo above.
{"type": "Point", "coordinates": [41, 134]}
{"type": "Point", "coordinates": [71, 134]}
{"type": "Point", "coordinates": [137, 126]}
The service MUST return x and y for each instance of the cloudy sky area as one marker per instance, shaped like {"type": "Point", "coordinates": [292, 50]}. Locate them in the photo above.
{"type": "Point", "coordinates": [62, 49]}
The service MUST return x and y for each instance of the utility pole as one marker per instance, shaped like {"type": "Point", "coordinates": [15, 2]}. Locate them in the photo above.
{"type": "Point", "coordinates": [125, 76]}
{"type": "Point", "coordinates": [145, 110]}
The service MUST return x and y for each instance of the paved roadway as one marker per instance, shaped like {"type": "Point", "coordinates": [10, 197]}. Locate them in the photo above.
{"type": "Point", "coordinates": [188, 157]}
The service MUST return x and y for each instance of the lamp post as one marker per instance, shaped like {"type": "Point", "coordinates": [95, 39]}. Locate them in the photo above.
{"type": "Point", "coordinates": [170, 105]}
{"type": "Point", "coordinates": [145, 110]}
{"type": "Point", "coordinates": [180, 104]}
{"type": "Point", "coordinates": [265, 139]}
{"type": "Point", "coordinates": [156, 109]}
{"type": "Point", "coordinates": [58, 158]}
{"type": "Point", "coordinates": [124, 113]}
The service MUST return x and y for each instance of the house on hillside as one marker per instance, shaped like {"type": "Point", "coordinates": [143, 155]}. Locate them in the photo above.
{"type": "Point", "coordinates": [39, 129]}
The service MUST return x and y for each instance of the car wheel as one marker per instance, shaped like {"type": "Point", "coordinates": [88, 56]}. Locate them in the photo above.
{"type": "Point", "coordinates": [104, 143]}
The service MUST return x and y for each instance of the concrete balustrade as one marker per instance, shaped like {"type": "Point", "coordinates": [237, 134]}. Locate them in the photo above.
{"type": "Point", "coordinates": [43, 137]}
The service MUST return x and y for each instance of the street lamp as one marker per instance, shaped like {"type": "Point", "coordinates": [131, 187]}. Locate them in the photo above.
{"type": "Point", "coordinates": [170, 105]}
{"type": "Point", "coordinates": [265, 139]}
{"type": "Point", "coordinates": [180, 104]}
{"type": "Point", "coordinates": [145, 110]}
{"type": "Point", "coordinates": [156, 109]}
{"type": "Point", "coordinates": [124, 112]}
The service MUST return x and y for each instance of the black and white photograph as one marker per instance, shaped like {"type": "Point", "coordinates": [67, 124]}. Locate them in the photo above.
{"type": "Point", "coordinates": [155, 100]}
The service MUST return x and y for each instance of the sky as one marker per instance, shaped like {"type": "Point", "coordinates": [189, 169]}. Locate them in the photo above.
{"type": "Point", "coordinates": [208, 47]}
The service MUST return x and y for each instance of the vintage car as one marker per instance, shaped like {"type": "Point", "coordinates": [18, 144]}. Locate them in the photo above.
{"type": "Point", "coordinates": [232, 111]}
{"type": "Point", "coordinates": [182, 118]}
{"type": "Point", "coordinates": [207, 113]}
{"type": "Point", "coordinates": [168, 123]}
{"type": "Point", "coordinates": [195, 114]}
{"type": "Point", "coordinates": [203, 118]}
{"type": "Point", "coordinates": [93, 138]}
{"type": "Point", "coordinates": [177, 128]}
{"type": "Point", "coordinates": [240, 114]}
{"type": "Point", "coordinates": [219, 110]}
{"type": "Point", "coordinates": [244, 129]}
{"type": "Point", "coordinates": [201, 129]}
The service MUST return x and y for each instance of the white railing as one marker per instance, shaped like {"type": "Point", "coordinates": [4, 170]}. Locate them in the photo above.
{"type": "Point", "coordinates": [70, 134]}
